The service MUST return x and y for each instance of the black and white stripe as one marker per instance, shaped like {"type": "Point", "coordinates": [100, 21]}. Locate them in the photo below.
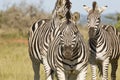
{"type": "Point", "coordinates": [68, 53]}
{"type": "Point", "coordinates": [104, 42]}
{"type": "Point", "coordinates": [41, 34]}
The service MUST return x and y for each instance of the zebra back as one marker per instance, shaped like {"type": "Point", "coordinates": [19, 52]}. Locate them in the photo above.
{"type": "Point", "coordinates": [115, 39]}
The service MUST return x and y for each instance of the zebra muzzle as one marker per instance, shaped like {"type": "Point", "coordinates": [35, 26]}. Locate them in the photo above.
{"type": "Point", "coordinates": [68, 55]}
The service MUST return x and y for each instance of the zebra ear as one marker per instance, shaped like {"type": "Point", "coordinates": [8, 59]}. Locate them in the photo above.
{"type": "Point", "coordinates": [101, 9]}
{"type": "Point", "coordinates": [76, 16]}
{"type": "Point", "coordinates": [87, 8]}
{"type": "Point", "coordinates": [59, 3]}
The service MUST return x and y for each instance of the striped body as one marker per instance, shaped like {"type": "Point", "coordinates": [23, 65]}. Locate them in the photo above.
{"type": "Point", "coordinates": [41, 34]}
{"type": "Point", "coordinates": [115, 41]}
{"type": "Point", "coordinates": [105, 48]}
{"type": "Point", "coordinates": [36, 48]}
{"type": "Point", "coordinates": [104, 43]}
{"type": "Point", "coordinates": [68, 53]}
{"type": "Point", "coordinates": [98, 45]}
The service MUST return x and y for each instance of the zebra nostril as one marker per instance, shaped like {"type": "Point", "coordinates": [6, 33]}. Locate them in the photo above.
{"type": "Point", "coordinates": [71, 66]}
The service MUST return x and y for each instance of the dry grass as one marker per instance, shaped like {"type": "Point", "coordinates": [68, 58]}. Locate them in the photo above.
{"type": "Point", "coordinates": [15, 63]}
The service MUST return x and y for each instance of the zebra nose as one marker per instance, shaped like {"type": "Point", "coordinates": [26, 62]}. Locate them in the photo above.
{"type": "Point", "coordinates": [91, 28]}
{"type": "Point", "coordinates": [71, 66]}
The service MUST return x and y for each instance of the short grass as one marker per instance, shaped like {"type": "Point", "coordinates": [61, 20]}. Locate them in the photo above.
{"type": "Point", "coordinates": [15, 63]}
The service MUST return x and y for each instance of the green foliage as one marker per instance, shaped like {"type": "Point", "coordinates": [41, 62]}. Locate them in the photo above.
{"type": "Point", "coordinates": [118, 25]}
{"type": "Point", "coordinates": [118, 21]}
{"type": "Point", "coordinates": [115, 17]}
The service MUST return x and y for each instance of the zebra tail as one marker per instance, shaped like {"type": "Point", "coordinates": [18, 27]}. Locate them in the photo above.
{"type": "Point", "coordinates": [100, 69]}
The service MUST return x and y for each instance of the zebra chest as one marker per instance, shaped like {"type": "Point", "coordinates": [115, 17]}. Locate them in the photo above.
{"type": "Point", "coordinates": [69, 66]}
{"type": "Point", "coordinates": [100, 51]}
{"type": "Point", "coordinates": [73, 72]}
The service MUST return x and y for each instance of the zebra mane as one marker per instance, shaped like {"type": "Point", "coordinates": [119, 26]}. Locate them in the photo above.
{"type": "Point", "coordinates": [68, 6]}
{"type": "Point", "coordinates": [94, 5]}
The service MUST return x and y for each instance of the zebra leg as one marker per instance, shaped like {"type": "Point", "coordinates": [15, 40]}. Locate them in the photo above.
{"type": "Point", "coordinates": [105, 65]}
{"type": "Point", "coordinates": [93, 65]}
{"type": "Point", "coordinates": [36, 68]}
{"type": "Point", "coordinates": [61, 74]}
{"type": "Point", "coordinates": [93, 68]}
{"type": "Point", "coordinates": [114, 65]}
{"type": "Point", "coordinates": [82, 74]}
{"type": "Point", "coordinates": [48, 70]}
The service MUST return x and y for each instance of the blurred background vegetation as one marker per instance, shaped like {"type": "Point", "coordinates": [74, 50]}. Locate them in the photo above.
{"type": "Point", "coordinates": [20, 17]}
{"type": "Point", "coordinates": [15, 22]}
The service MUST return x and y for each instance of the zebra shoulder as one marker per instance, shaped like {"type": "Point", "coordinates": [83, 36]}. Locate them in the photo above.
{"type": "Point", "coordinates": [38, 24]}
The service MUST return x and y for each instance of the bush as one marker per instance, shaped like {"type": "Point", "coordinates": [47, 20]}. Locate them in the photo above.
{"type": "Point", "coordinates": [21, 17]}
{"type": "Point", "coordinates": [118, 25]}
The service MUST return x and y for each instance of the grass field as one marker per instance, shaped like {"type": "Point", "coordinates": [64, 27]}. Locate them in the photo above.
{"type": "Point", "coordinates": [15, 63]}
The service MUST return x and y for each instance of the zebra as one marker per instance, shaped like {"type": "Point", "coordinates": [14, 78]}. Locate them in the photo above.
{"type": "Point", "coordinates": [104, 43]}
{"type": "Point", "coordinates": [68, 53]}
{"type": "Point", "coordinates": [41, 34]}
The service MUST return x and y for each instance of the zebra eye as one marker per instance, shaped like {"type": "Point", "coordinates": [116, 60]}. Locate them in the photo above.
{"type": "Point", "coordinates": [75, 33]}
{"type": "Point", "coordinates": [98, 20]}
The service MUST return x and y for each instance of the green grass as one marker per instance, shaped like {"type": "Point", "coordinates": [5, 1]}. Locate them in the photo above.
{"type": "Point", "coordinates": [15, 63]}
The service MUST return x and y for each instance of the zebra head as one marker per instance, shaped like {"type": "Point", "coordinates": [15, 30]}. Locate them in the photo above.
{"type": "Point", "coordinates": [93, 18]}
{"type": "Point", "coordinates": [68, 39]}
{"type": "Point", "coordinates": [61, 8]}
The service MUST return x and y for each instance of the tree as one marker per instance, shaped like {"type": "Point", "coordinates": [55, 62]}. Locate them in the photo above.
{"type": "Point", "coordinates": [21, 16]}
{"type": "Point", "coordinates": [116, 18]}
{"type": "Point", "coordinates": [118, 22]}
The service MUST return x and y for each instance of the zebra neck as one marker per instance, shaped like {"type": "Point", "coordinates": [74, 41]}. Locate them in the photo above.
{"type": "Point", "coordinates": [100, 45]}
{"type": "Point", "coordinates": [97, 40]}
{"type": "Point", "coordinates": [55, 22]}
